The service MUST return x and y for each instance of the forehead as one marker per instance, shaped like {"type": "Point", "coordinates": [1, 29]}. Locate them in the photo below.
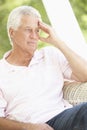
{"type": "Point", "coordinates": [28, 20]}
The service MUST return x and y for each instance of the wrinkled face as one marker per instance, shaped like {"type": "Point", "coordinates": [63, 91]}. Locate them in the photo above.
{"type": "Point", "coordinates": [25, 38]}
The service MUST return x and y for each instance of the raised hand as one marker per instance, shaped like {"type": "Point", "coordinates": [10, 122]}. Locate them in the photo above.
{"type": "Point", "coordinates": [51, 34]}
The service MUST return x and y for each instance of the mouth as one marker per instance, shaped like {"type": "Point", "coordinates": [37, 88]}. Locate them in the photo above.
{"type": "Point", "coordinates": [32, 43]}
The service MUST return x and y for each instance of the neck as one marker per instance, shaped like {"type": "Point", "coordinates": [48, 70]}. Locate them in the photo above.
{"type": "Point", "coordinates": [19, 59]}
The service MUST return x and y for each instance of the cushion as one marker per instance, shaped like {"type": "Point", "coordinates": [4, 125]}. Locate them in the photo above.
{"type": "Point", "coordinates": [75, 92]}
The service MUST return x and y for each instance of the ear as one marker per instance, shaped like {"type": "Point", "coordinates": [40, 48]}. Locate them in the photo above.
{"type": "Point", "coordinates": [11, 32]}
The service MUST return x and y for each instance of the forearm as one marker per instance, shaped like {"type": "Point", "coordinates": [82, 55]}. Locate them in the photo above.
{"type": "Point", "coordinates": [6, 124]}
{"type": "Point", "coordinates": [77, 63]}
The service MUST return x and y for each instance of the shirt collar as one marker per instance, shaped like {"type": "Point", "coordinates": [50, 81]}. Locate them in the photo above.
{"type": "Point", "coordinates": [38, 56]}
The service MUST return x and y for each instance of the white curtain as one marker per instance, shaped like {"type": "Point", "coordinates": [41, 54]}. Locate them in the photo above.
{"type": "Point", "coordinates": [62, 18]}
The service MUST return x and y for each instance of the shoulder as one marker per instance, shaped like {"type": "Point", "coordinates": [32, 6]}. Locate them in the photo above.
{"type": "Point", "coordinates": [52, 55]}
{"type": "Point", "coordinates": [1, 62]}
{"type": "Point", "coordinates": [2, 66]}
{"type": "Point", "coordinates": [51, 51]}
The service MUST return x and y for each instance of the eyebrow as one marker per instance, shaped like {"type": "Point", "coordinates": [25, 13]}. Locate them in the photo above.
{"type": "Point", "coordinates": [27, 26]}
{"type": "Point", "coordinates": [31, 27]}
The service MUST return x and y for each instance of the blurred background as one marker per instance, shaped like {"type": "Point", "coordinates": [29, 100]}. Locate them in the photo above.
{"type": "Point", "coordinates": [79, 8]}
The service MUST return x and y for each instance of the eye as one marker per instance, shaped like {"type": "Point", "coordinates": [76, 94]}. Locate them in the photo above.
{"type": "Point", "coordinates": [28, 29]}
{"type": "Point", "coordinates": [38, 30]}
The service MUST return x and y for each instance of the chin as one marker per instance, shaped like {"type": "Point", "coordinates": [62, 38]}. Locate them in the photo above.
{"type": "Point", "coordinates": [31, 52]}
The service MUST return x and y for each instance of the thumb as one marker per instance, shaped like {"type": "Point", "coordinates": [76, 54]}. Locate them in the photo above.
{"type": "Point", "coordinates": [42, 39]}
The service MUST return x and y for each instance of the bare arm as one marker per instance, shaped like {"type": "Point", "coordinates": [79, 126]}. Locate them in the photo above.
{"type": "Point", "coordinates": [77, 63]}
{"type": "Point", "coordinates": [6, 124]}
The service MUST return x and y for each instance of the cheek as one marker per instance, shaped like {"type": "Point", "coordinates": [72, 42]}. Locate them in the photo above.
{"type": "Point", "coordinates": [18, 38]}
{"type": "Point", "coordinates": [22, 36]}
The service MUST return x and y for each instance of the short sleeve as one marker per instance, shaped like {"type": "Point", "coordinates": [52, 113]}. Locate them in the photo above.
{"type": "Point", "coordinates": [62, 62]}
{"type": "Point", "coordinates": [59, 60]}
{"type": "Point", "coordinates": [65, 67]}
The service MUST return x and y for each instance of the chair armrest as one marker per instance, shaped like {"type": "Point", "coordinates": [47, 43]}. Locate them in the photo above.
{"type": "Point", "coordinates": [75, 92]}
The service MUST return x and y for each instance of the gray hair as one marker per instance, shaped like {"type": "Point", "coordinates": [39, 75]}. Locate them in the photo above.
{"type": "Point", "coordinates": [14, 19]}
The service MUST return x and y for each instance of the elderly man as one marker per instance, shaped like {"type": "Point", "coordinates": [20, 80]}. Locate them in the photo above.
{"type": "Point", "coordinates": [31, 80]}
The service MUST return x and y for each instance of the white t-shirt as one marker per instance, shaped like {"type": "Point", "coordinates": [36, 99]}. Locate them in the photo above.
{"type": "Point", "coordinates": [34, 93]}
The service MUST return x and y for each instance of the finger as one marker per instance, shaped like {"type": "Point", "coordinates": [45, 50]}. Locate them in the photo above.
{"type": "Point", "coordinates": [44, 27]}
{"type": "Point", "coordinates": [42, 39]}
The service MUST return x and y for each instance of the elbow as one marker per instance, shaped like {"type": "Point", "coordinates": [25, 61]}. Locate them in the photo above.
{"type": "Point", "coordinates": [83, 78]}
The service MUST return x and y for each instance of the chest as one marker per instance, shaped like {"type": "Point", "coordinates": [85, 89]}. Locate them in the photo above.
{"type": "Point", "coordinates": [28, 82]}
